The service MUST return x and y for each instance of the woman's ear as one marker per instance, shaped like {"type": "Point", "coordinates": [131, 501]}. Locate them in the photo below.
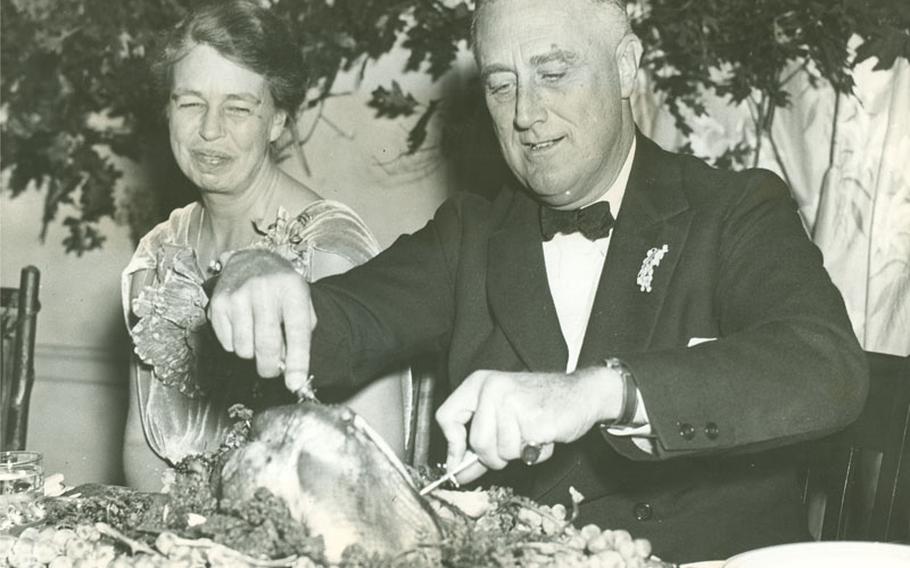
{"type": "Point", "coordinates": [628, 56]}
{"type": "Point", "coordinates": [278, 123]}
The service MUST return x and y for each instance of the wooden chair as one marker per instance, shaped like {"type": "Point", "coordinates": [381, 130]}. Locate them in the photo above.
{"type": "Point", "coordinates": [424, 376]}
{"type": "Point", "coordinates": [864, 472]}
{"type": "Point", "coordinates": [19, 310]}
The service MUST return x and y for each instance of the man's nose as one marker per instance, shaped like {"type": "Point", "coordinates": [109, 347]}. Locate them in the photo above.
{"type": "Point", "coordinates": [529, 108]}
{"type": "Point", "coordinates": [212, 127]}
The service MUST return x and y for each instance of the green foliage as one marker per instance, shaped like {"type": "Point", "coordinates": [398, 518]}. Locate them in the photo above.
{"type": "Point", "coordinates": [737, 48]}
{"type": "Point", "coordinates": [392, 103]}
{"type": "Point", "coordinates": [75, 85]}
{"type": "Point", "coordinates": [64, 65]}
{"type": "Point", "coordinates": [884, 27]}
{"type": "Point", "coordinates": [262, 527]}
{"type": "Point", "coordinates": [748, 51]}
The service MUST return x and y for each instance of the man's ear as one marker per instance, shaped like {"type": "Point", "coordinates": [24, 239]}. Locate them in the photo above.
{"type": "Point", "coordinates": [278, 124]}
{"type": "Point", "coordinates": [628, 56]}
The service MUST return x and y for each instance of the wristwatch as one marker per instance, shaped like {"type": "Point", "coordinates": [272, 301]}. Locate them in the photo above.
{"type": "Point", "coordinates": [629, 394]}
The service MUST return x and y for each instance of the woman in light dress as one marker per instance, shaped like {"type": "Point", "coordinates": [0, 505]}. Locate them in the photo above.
{"type": "Point", "coordinates": [234, 79]}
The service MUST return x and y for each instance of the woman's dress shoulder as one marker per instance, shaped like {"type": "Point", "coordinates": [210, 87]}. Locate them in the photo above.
{"type": "Point", "coordinates": [333, 227]}
{"type": "Point", "coordinates": [174, 230]}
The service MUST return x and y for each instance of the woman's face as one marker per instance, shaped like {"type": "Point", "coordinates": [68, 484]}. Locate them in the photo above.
{"type": "Point", "coordinates": [222, 119]}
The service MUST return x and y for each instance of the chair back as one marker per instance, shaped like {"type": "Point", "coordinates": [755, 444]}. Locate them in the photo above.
{"type": "Point", "coordinates": [425, 373]}
{"type": "Point", "coordinates": [18, 319]}
{"type": "Point", "coordinates": [864, 472]}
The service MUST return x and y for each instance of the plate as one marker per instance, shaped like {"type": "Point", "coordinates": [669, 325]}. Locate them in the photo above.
{"type": "Point", "coordinates": [824, 555]}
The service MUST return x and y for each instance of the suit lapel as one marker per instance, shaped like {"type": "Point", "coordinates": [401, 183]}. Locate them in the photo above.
{"type": "Point", "coordinates": [654, 213]}
{"type": "Point", "coordinates": [518, 291]}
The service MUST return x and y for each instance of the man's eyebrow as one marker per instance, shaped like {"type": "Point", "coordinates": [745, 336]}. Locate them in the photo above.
{"type": "Point", "coordinates": [185, 93]}
{"type": "Point", "coordinates": [494, 68]}
{"type": "Point", "coordinates": [558, 55]}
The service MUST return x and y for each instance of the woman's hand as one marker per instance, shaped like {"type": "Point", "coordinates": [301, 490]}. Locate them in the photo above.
{"type": "Point", "coordinates": [261, 309]}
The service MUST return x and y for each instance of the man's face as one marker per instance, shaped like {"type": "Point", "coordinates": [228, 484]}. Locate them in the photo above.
{"type": "Point", "coordinates": [554, 81]}
{"type": "Point", "coordinates": [222, 119]}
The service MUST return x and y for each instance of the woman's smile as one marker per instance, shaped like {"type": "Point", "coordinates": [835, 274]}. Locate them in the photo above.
{"type": "Point", "coordinates": [211, 159]}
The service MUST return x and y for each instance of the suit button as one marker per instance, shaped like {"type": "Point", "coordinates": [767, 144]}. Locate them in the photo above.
{"type": "Point", "coordinates": [711, 431]}
{"type": "Point", "coordinates": [687, 431]}
{"type": "Point", "coordinates": [643, 511]}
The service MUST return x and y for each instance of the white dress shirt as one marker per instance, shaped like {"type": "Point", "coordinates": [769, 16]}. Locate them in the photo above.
{"type": "Point", "coordinates": [574, 264]}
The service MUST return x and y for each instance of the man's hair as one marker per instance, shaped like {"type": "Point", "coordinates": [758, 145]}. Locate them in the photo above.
{"type": "Point", "coordinates": [243, 32]}
{"type": "Point", "coordinates": [616, 9]}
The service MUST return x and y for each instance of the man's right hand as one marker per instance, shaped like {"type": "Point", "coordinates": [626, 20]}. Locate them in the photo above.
{"type": "Point", "coordinates": [261, 309]}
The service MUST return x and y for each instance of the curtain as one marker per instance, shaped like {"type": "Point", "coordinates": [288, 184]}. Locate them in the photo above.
{"type": "Point", "coordinates": [847, 160]}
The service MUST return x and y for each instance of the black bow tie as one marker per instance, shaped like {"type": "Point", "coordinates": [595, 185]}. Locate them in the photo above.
{"type": "Point", "coordinates": [594, 221]}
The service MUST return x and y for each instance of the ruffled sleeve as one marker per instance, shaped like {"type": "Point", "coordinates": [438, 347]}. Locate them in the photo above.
{"type": "Point", "coordinates": [145, 257]}
{"type": "Point", "coordinates": [166, 322]}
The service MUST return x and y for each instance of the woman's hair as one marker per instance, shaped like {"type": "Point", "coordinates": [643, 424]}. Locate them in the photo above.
{"type": "Point", "coordinates": [245, 33]}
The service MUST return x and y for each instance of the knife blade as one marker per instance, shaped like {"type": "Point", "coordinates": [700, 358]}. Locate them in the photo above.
{"type": "Point", "coordinates": [470, 458]}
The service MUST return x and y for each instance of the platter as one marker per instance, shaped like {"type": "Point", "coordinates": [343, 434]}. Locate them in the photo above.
{"type": "Point", "coordinates": [481, 528]}
{"type": "Point", "coordinates": [308, 486]}
{"type": "Point", "coordinates": [824, 555]}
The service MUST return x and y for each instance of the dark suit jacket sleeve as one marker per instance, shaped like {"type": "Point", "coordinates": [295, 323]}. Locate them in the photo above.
{"type": "Point", "coordinates": [383, 312]}
{"type": "Point", "coordinates": [786, 366]}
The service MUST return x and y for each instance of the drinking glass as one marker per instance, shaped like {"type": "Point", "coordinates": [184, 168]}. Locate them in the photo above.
{"type": "Point", "coordinates": [21, 487]}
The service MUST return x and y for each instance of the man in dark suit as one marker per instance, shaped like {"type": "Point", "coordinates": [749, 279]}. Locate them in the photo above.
{"type": "Point", "coordinates": [662, 368]}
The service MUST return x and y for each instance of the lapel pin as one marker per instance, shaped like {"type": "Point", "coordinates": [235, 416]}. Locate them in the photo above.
{"type": "Point", "coordinates": [651, 261]}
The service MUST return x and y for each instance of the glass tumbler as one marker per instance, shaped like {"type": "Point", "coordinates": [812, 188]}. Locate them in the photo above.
{"type": "Point", "coordinates": [21, 487]}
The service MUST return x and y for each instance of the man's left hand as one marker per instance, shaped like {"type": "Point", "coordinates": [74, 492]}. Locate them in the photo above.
{"type": "Point", "coordinates": [508, 411]}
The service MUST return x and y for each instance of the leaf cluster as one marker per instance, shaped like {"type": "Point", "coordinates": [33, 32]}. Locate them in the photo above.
{"type": "Point", "coordinates": [742, 50]}
{"type": "Point", "coordinates": [74, 76]}
{"type": "Point", "coordinates": [262, 527]}
{"type": "Point", "coordinates": [117, 506]}
{"type": "Point", "coordinates": [75, 86]}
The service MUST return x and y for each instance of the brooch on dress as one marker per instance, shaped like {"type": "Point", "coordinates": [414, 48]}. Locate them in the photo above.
{"type": "Point", "coordinates": [284, 237]}
{"type": "Point", "coordinates": [651, 261]}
